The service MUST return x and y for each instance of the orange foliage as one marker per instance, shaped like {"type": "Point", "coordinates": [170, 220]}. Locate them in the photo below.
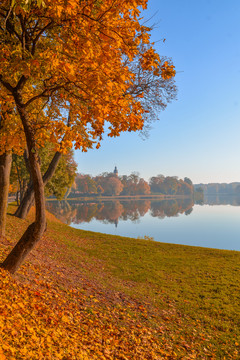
{"type": "Point", "coordinates": [70, 63]}
{"type": "Point", "coordinates": [13, 188]}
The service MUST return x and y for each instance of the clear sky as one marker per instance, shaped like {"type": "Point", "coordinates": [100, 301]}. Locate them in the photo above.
{"type": "Point", "coordinates": [198, 135]}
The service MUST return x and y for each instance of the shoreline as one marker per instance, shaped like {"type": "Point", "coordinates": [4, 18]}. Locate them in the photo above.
{"type": "Point", "coordinates": [124, 197]}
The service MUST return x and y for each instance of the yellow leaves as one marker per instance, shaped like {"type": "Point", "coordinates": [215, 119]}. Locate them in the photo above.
{"type": "Point", "coordinates": [35, 63]}
{"type": "Point", "coordinates": [167, 71]}
{"type": "Point", "coordinates": [2, 356]}
{"type": "Point", "coordinates": [150, 60]}
{"type": "Point", "coordinates": [65, 319]}
{"type": "Point", "coordinates": [72, 7]}
{"type": "Point", "coordinates": [63, 324]}
{"type": "Point", "coordinates": [69, 68]}
{"type": "Point", "coordinates": [59, 9]}
{"type": "Point", "coordinates": [11, 135]}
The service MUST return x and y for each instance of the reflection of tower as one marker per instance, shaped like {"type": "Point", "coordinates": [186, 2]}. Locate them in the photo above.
{"type": "Point", "coordinates": [115, 171]}
{"type": "Point", "coordinates": [116, 222]}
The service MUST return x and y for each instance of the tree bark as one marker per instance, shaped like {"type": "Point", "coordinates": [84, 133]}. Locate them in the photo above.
{"type": "Point", "coordinates": [5, 168]}
{"type": "Point", "coordinates": [67, 193]}
{"type": "Point", "coordinates": [35, 231]}
{"type": "Point", "coordinates": [28, 199]}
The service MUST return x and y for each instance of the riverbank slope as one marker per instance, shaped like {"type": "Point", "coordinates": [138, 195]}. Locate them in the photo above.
{"type": "Point", "coordinates": [84, 295]}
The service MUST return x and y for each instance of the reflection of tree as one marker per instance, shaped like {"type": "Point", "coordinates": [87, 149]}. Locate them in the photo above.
{"type": "Point", "coordinates": [62, 210]}
{"type": "Point", "coordinates": [85, 212]}
{"type": "Point", "coordinates": [189, 211]}
{"type": "Point", "coordinates": [222, 200]}
{"type": "Point", "coordinates": [113, 211]}
{"type": "Point", "coordinates": [144, 206]}
{"type": "Point", "coordinates": [133, 210]}
{"type": "Point", "coordinates": [171, 207]}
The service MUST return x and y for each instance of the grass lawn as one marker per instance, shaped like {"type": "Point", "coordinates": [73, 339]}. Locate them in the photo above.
{"type": "Point", "coordinates": [88, 295]}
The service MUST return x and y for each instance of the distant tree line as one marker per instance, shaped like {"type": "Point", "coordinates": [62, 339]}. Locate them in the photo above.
{"type": "Point", "coordinates": [219, 188]}
{"type": "Point", "coordinates": [110, 184]}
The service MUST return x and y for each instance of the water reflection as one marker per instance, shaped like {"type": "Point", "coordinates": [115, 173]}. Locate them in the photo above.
{"type": "Point", "coordinates": [220, 199]}
{"type": "Point", "coordinates": [111, 212]}
{"type": "Point", "coordinates": [211, 224]}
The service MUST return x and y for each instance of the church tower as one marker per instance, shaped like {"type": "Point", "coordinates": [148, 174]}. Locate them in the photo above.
{"type": "Point", "coordinates": [115, 171]}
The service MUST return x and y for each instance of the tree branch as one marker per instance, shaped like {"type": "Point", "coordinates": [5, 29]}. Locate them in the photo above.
{"type": "Point", "coordinates": [6, 84]}
{"type": "Point", "coordinates": [38, 36]}
{"type": "Point", "coordinates": [22, 81]}
{"type": "Point", "coordinates": [46, 93]}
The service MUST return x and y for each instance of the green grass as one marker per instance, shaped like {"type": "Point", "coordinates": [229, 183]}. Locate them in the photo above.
{"type": "Point", "coordinates": [202, 284]}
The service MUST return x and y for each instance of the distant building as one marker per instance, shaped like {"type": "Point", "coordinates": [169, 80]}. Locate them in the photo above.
{"type": "Point", "coordinates": [115, 171]}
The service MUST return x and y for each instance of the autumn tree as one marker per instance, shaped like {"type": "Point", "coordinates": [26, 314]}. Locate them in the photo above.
{"type": "Point", "coordinates": [85, 184]}
{"type": "Point", "coordinates": [112, 185]}
{"type": "Point", "coordinates": [185, 188]}
{"type": "Point", "coordinates": [10, 137]}
{"type": "Point", "coordinates": [70, 57]}
{"type": "Point", "coordinates": [150, 89]}
{"type": "Point", "coordinates": [109, 183]}
{"type": "Point", "coordinates": [188, 181]}
{"type": "Point", "coordinates": [157, 183]}
{"type": "Point", "coordinates": [171, 185]}
{"type": "Point", "coordinates": [134, 185]}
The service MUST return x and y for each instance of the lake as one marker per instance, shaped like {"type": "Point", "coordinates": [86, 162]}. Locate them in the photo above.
{"type": "Point", "coordinates": [213, 224]}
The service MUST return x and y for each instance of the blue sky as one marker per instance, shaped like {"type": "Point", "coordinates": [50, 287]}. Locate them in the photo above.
{"type": "Point", "coordinates": [198, 135]}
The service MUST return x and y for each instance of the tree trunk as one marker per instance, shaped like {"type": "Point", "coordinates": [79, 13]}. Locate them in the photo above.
{"type": "Point", "coordinates": [67, 193]}
{"type": "Point", "coordinates": [35, 231]}
{"type": "Point", "coordinates": [25, 204]}
{"type": "Point", "coordinates": [17, 197]}
{"type": "Point", "coordinates": [5, 168]}
{"type": "Point", "coordinates": [28, 198]}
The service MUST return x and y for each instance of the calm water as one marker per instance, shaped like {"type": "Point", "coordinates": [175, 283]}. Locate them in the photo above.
{"type": "Point", "coordinates": [215, 224]}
